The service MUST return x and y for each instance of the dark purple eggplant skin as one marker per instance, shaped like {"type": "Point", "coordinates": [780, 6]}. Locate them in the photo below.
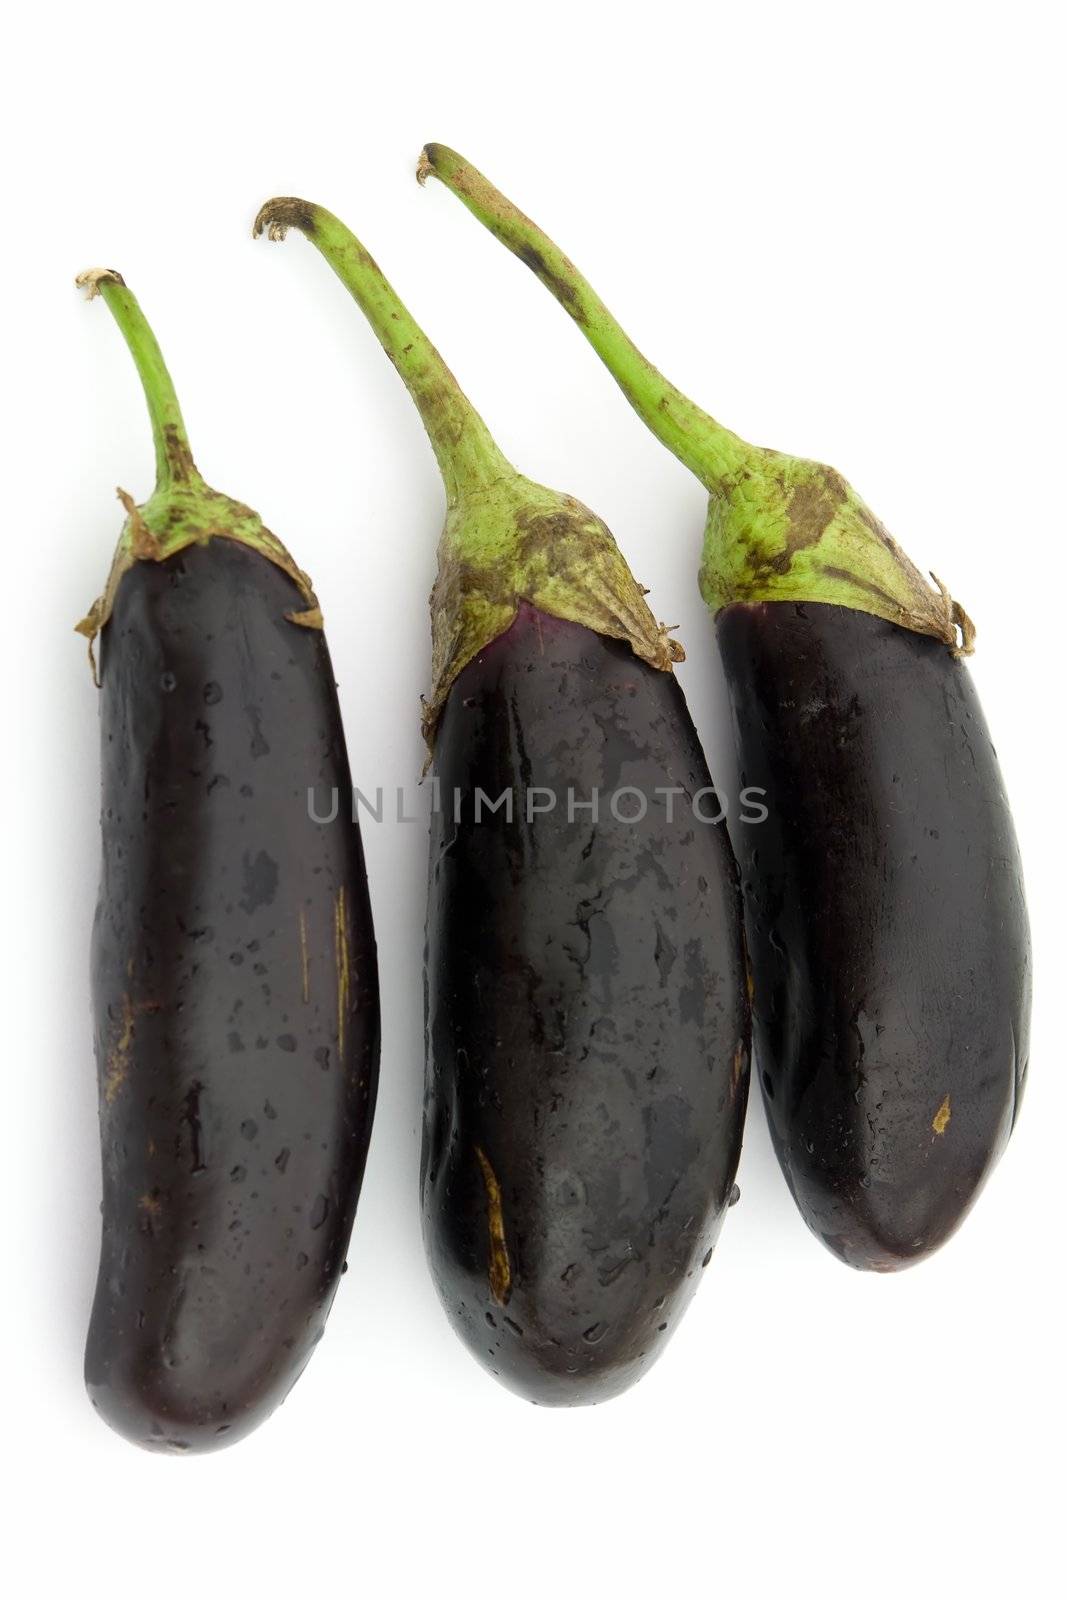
{"type": "Point", "coordinates": [886, 920]}
{"type": "Point", "coordinates": [232, 948]}
{"type": "Point", "coordinates": [588, 1031]}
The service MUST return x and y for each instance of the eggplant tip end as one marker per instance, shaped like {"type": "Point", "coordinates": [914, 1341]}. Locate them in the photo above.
{"type": "Point", "coordinates": [91, 279]}
{"type": "Point", "coordinates": [277, 216]}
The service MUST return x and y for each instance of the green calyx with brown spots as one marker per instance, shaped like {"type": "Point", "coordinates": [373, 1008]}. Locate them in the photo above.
{"type": "Point", "coordinates": [515, 540]}
{"type": "Point", "coordinates": [506, 539]}
{"type": "Point", "coordinates": [182, 510]}
{"type": "Point", "coordinates": [779, 527]}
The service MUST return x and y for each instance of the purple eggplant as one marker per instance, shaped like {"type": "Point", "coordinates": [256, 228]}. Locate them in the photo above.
{"type": "Point", "coordinates": [884, 892]}
{"type": "Point", "coordinates": [587, 1019]}
{"type": "Point", "coordinates": [234, 975]}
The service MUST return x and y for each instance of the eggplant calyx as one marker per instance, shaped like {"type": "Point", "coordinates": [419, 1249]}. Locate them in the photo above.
{"type": "Point", "coordinates": [782, 528]}
{"type": "Point", "coordinates": [176, 519]}
{"type": "Point", "coordinates": [516, 541]}
{"type": "Point", "coordinates": [182, 510]}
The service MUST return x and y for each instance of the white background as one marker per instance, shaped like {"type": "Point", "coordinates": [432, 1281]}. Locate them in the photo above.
{"type": "Point", "coordinates": [839, 227]}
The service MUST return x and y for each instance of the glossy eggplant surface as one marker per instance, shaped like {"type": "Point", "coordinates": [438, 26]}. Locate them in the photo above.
{"type": "Point", "coordinates": [886, 923]}
{"type": "Point", "coordinates": [587, 1020]}
{"type": "Point", "coordinates": [235, 996]}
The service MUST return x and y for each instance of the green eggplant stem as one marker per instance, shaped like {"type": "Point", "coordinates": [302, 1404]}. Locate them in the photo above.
{"type": "Point", "coordinates": [506, 540]}
{"type": "Point", "coordinates": [466, 452]}
{"type": "Point", "coordinates": [779, 527]}
{"type": "Point", "coordinates": [174, 458]}
{"type": "Point", "coordinates": [182, 510]}
{"type": "Point", "coordinates": [701, 443]}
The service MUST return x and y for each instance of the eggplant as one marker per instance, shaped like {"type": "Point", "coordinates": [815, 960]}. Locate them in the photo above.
{"type": "Point", "coordinates": [587, 1019]}
{"type": "Point", "coordinates": [884, 892]}
{"type": "Point", "coordinates": [234, 974]}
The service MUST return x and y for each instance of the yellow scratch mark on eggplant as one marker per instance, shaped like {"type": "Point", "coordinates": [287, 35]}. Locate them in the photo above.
{"type": "Point", "coordinates": [118, 1057]}
{"type": "Point", "coordinates": [499, 1265]}
{"type": "Point", "coordinates": [942, 1116]}
{"type": "Point", "coordinates": [343, 969]}
{"type": "Point", "coordinates": [150, 1206]}
{"type": "Point", "coordinates": [305, 975]}
{"type": "Point", "coordinates": [738, 1069]}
